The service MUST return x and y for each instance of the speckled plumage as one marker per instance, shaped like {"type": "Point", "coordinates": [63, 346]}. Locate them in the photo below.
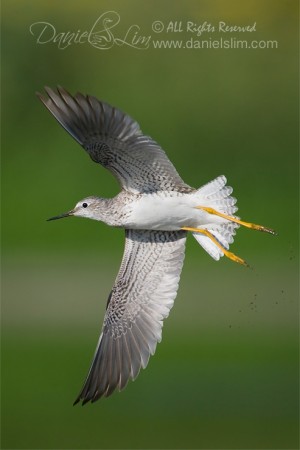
{"type": "Point", "coordinates": [141, 298]}
{"type": "Point", "coordinates": [147, 282]}
{"type": "Point", "coordinates": [114, 140]}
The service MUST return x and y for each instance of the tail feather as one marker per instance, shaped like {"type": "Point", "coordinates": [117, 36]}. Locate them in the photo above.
{"type": "Point", "coordinates": [217, 195]}
{"type": "Point", "coordinates": [212, 249]}
{"type": "Point", "coordinates": [213, 186]}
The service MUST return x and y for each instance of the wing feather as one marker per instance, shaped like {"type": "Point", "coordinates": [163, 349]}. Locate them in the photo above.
{"type": "Point", "coordinates": [125, 370]}
{"type": "Point", "coordinates": [114, 140]}
{"type": "Point", "coordinates": [142, 296]}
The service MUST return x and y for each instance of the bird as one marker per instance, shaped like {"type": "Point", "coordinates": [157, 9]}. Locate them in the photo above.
{"type": "Point", "coordinates": [157, 209]}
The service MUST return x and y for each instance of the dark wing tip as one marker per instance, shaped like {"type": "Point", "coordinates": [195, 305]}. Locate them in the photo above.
{"type": "Point", "coordinates": [86, 118]}
{"type": "Point", "coordinates": [124, 350]}
{"type": "Point", "coordinates": [66, 110]}
{"type": "Point", "coordinates": [84, 399]}
{"type": "Point", "coordinates": [41, 97]}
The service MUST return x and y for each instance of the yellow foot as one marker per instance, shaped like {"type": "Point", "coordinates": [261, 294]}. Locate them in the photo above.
{"type": "Point", "coordinates": [240, 222]}
{"type": "Point", "coordinates": [229, 255]}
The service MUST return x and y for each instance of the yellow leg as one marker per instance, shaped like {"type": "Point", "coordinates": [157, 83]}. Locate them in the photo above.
{"type": "Point", "coordinates": [229, 255]}
{"type": "Point", "coordinates": [240, 222]}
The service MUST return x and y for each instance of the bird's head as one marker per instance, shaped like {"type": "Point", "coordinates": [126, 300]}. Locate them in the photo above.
{"type": "Point", "coordinates": [88, 207]}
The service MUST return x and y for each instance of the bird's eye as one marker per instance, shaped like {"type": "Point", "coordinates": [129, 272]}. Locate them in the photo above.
{"type": "Point", "coordinates": [84, 205]}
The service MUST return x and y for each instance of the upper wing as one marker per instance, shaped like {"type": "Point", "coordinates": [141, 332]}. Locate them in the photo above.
{"type": "Point", "coordinates": [114, 140]}
{"type": "Point", "coordinates": [141, 298]}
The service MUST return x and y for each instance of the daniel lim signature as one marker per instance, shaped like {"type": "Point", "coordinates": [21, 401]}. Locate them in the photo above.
{"type": "Point", "coordinates": [102, 34]}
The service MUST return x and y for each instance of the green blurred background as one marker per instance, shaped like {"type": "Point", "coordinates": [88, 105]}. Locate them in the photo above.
{"type": "Point", "coordinates": [225, 375]}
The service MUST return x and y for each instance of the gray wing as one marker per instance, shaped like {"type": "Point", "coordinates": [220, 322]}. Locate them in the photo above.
{"type": "Point", "coordinates": [114, 140]}
{"type": "Point", "coordinates": [141, 298]}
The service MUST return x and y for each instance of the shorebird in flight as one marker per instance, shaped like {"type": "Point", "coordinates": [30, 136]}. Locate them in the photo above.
{"type": "Point", "coordinates": [157, 210]}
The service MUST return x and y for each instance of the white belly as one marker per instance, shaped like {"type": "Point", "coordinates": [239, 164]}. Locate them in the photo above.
{"type": "Point", "coordinates": [156, 212]}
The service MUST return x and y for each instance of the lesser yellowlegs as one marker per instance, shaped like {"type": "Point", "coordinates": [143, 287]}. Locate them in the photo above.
{"type": "Point", "coordinates": [156, 209]}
